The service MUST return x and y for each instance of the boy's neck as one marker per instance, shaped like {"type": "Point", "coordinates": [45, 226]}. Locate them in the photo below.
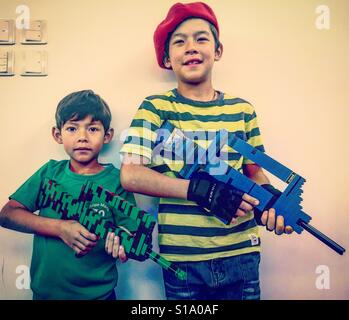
{"type": "Point", "coordinates": [199, 92]}
{"type": "Point", "coordinates": [90, 168]}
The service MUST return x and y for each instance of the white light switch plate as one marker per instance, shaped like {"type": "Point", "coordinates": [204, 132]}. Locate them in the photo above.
{"type": "Point", "coordinates": [7, 32]}
{"type": "Point", "coordinates": [6, 63]}
{"type": "Point", "coordinates": [34, 63]}
{"type": "Point", "coordinates": [36, 34]}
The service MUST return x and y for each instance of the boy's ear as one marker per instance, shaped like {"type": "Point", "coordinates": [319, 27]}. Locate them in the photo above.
{"type": "Point", "coordinates": [56, 134]}
{"type": "Point", "coordinates": [108, 135]}
{"type": "Point", "coordinates": [167, 63]}
{"type": "Point", "coordinates": [218, 53]}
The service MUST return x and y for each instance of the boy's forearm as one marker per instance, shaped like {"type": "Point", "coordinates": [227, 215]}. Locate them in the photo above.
{"type": "Point", "coordinates": [140, 179]}
{"type": "Point", "coordinates": [22, 220]}
{"type": "Point", "coordinates": [256, 174]}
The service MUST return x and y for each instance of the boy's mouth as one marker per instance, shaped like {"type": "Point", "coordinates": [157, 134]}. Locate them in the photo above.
{"type": "Point", "coordinates": [192, 61]}
{"type": "Point", "coordinates": [82, 149]}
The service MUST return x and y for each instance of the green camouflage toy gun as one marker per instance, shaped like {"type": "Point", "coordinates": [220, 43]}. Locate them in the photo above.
{"type": "Point", "coordinates": [84, 210]}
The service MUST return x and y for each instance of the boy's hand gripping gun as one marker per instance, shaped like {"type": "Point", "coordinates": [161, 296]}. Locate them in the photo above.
{"type": "Point", "coordinates": [174, 142]}
{"type": "Point", "coordinates": [137, 246]}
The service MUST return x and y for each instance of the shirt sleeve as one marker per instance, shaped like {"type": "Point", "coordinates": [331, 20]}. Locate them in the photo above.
{"type": "Point", "coordinates": [27, 193]}
{"type": "Point", "coordinates": [142, 134]}
{"type": "Point", "coordinates": [253, 135]}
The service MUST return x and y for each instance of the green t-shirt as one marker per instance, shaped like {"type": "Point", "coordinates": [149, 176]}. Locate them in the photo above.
{"type": "Point", "coordinates": [55, 271]}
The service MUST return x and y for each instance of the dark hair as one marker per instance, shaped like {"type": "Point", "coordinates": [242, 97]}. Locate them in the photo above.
{"type": "Point", "coordinates": [214, 33]}
{"type": "Point", "coordinates": [79, 105]}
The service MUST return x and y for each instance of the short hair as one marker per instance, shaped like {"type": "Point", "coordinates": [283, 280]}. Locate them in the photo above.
{"type": "Point", "coordinates": [214, 33]}
{"type": "Point", "coordinates": [78, 105]}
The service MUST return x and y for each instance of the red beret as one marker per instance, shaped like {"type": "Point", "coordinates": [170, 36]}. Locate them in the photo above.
{"type": "Point", "coordinates": [176, 15]}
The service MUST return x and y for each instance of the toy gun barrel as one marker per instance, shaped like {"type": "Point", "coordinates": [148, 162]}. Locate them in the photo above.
{"type": "Point", "coordinates": [148, 253]}
{"type": "Point", "coordinates": [167, 265]}
{"type": "Point", "coordinates": [323, 238]}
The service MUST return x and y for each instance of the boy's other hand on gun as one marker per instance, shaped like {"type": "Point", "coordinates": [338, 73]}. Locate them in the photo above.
{"type": "Point", "coordinates": [113, 247]}
{"type": "Point", "coordinates": [275, 223]}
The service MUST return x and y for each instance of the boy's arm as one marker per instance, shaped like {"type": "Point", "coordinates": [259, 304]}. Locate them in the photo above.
{"type": "Point", "coordinates": [17, 217]}
{"type": "Point", "coordinates": [136, 177]}
{"type": "Point", "coordinates": [255, 173]}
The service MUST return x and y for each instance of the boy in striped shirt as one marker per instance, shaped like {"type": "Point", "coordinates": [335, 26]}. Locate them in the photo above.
{"type": "Point", "coordinates": [222, 261]}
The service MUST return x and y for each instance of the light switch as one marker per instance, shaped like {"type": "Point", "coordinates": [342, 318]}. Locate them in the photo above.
{"type": "Point", "coordinates": [3, 68]}
{"type": "Point", "coordinates": [35, 63]}
{"type": "Point", "coordinates": [7, 32]}
{"type": "Point", "coordinates": [6, 63]}
{"type": "Point", "coordinates": [3, 62]}
{"type": "Point", "coordinates": [33, 35]}
{"type": "Point", "coordinates": [36, 34]}
{"type": "Point", "coordinates": [35, 25]}
{"type": "Point", "coordinates": [4, 28]}
{"type": "Point", "coordinates": [3, 65]}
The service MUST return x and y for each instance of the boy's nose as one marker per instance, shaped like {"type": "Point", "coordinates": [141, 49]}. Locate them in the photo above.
{"type": "Point", "coordinates": [191, 51]}
{"type": "Point", "coordinates": [191, 47]}
{"type": "Point", "coordinates": [82, 135]}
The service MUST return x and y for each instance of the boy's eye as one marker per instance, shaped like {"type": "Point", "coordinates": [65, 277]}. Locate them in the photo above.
{"type": "Point", "coordinates": [94, 129]}
{"type": "Point", "coordinates": [70, 129]}
{"type": "Point", "coordinates": [179, 41]}
{"type": "Point", "coordinates": [202, 39]}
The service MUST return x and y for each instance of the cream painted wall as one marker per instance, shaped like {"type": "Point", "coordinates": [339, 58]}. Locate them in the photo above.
{"type": "Point", "coordinates": [274, 56]}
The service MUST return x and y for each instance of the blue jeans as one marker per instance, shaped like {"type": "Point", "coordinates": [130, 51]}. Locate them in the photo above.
{"type": "Point", "coordinates": [232, 278]}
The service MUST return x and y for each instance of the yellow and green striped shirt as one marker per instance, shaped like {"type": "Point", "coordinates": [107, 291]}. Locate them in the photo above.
{"type": "Point", "coordinates": [186, 231]}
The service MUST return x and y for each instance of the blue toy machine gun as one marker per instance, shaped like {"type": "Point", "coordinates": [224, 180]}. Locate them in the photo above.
{"type": "Point", "coordinates": [137, 246]}
{"type": "Point", "coordinates": [173, 142]}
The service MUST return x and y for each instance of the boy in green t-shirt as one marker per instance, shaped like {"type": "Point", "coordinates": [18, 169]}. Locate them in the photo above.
{"type": "Point", "coordinates": [83, 127]}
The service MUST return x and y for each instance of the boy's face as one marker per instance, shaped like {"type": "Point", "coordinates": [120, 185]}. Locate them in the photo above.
{"type": "Point", "coordinates": [192, 51]}
{"type": "Point", "coordinates": [83, 139]}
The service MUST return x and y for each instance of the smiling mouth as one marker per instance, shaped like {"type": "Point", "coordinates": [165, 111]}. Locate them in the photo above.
{"type": "Point", "coordinates": [192, 62]}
